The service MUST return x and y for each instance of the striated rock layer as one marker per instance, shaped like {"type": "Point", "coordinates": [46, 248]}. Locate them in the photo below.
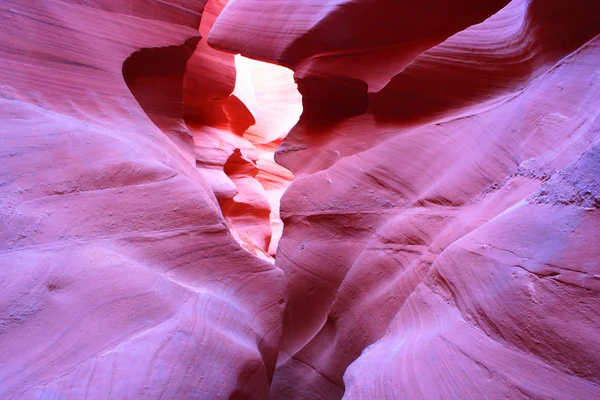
{"type": "Point", "coordinates": [441, 237]}
{"type": "Point", "coordinates": [120, 277]}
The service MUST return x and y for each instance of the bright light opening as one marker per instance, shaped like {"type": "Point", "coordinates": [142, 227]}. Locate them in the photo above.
{"type": "Point", "coordinates": [269, 92]}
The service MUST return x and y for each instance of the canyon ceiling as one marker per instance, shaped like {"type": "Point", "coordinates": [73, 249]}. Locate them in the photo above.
{"type": "Point", "coordinates": [300, 199]}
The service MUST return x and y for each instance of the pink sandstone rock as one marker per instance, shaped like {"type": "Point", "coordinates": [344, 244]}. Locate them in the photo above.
{"type": "Point", "coordinates": [398, 169]}
{"type": "Point", "coordinates": [441, 233]}
{"type": "Point", "coordinates": [120, 277]}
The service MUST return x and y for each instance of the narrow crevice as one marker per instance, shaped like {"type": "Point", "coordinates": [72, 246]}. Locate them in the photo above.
{"type": "Point", "coordinates": [233, 137]}
{"type": "Point", "coordinates": [235, 150]}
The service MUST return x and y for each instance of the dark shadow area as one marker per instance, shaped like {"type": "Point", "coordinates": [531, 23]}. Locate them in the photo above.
{"type": "Point", "coordinates": [155, 78]}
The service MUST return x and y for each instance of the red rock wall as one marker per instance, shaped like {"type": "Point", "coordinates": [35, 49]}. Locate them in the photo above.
{"type": "Point", "coordinates": [441, 233]}
{"type": "Point", "coordinates": [120, 279]}
{"type": "Point", "coordinates": [425, 253]}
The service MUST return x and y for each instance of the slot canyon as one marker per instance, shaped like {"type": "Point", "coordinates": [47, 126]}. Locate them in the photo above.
{"type": "Point", "coordinates": [299, 199]}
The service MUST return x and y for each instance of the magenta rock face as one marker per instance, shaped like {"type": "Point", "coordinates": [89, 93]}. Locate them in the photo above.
{"type": "Point", "coordinates": [336, 199]}
{"type": "Point", "coordinates": [120, 277]}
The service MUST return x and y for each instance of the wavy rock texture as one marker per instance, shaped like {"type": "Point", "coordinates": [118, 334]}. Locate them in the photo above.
{"type": "Point", "coordinates": [120, 277]}
{"type": "Point", "coordinates": [441, 233]}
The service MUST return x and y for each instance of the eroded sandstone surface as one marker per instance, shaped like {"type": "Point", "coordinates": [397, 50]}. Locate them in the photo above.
{"type": "Point", "coordinates": [437, 164]}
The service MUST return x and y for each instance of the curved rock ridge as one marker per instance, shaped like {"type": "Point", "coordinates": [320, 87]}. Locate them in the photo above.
{"type": "Point", "coordinates": [524, 292]}
{"type": "Point", "coordinates": [474, 69]}
{"type": "Point", "coordinates": [438, 164]}
{"type": "Point", "coordinates": [441, 233]}
{"type": "Point", "coordinates": [289, 32]}
{"type": "Point", "coordinates": [121, 279]}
